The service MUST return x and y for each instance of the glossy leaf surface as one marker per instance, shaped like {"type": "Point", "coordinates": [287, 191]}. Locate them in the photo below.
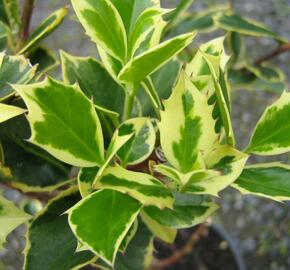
{"type": "Point", "coordinates": [164, 233]}
{"type": "Point", "coordinates": [269, 180]}
{"type": "Point", "coordinates": [143, 187]}
{"type": "Point", "coordinates": [51, 227]}
{"type": "Point", "coordinates": [182, 216]}
{"type": "Point", "coordinates": [141, 145]}
{"type": "Point", "coordinates": [225, 164]}
{"type": "Point", "coordinates": [14, 70]}
{"type": "Point", "coordinates": [89, 221]}
{"type": "Point", "coordinates": [271, 135]}
{"type": "Point", "coordinates": [233, 22]}
{"type": "Point", "coordinates": [44, 29]}
{"type": "Point", "coordinates": [143, 65]}
{"type": "Point", "coordinates": [187, 126]}
{"type": "Point", "coordinates": [94, 81]}
{"type": "Point", "coordinates": [73, 135]}
{"type": "Point", "coordinates": [139, 252]}
{"type": "Point", "coordinates": [104, 25]}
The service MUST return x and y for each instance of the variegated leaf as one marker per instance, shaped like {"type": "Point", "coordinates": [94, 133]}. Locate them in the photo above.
{"type": "Point", "coordinates": [143, 187]}
{"type": "Point", "coordinates": [174, 178]}
{"type": "Point", "coordinates": [51, 227]}
{"type": "Point", "coordinates": [207, 72]}
{"type": "Point", "coordinates": [121, 136]}
{"type": "Point", "coordinates": [220, 99]}
{"type": "Point", "coordinates": [131, 11]}
{"type": "Point", "coordinates": [187, 126]}
{"type": "Point", "coordinates": [164, 233]}
{"type": "Point", "coordinates": [88, 176]}
{"type": "Point", "coordinates": [145, 24]}
{"type": "Point", "coordinates": [253, 79]}
{"type": "Point", "coordinates": [157, 34]}
{"type": "Point", "coordinates": [267, 72]}
{"type": "Point", "coordinates": [152, 94]}
{"type": "Point", "coordinates": [109, 121]}
{"type": "Point", "coordinates": [86, 179]}
{"type": "Point", "coordinates": [182, 216]}
{"type": "Point", "coordinates": [74, 134]}
{"type": "Point", "coordinates": [217, 56]}
{"type": "Point", "coordinates": [44, 29]}
{"type": "Point", "coordinates": [101, 265]}
{"type": "Point", "coordinates": [269, 180]}
{"type": "Point", "coordinates": [104, 26]}
{"type": "Point", "coordinates": [201, 21]}
{"type": "Point", "coordinates": [139, 253]}
{"type": "Point", "coordinates": [180, 181]}
{"type": "Point", "coordinates": [129, 237]}
{"type": "Point", "coordinates": [142, 143]}
{"type": "Point", "coordinates": [14, 70]}
{"type": "Point", "coordinates": [212, 52]}
{"type": "Point", "coordinates": [146, 63]}
{"type": "Point", "coordinates": [137, 15]}
{"type": "Point", "coordinates": [10, 218]}
{"type": "Point", "coordinates": [94, 81]}
{"type": "Point", "coordinates": [98, 210]}
{"type": "Point", "coordinates": [32, 169]}
{"type": "Point", "coordinates": [112, 65]}
{"type": "Point", "coordinates": [237, 46]}
{"type": "Point", "coordinates": [7, 112]}
{"type": "Point", "coordinates": [163, 81]}
{"type": "Point", "coordinates": [271, 135]}
{"type": "Point", "coordinates": [225, 161]}
{"type": "Point", "coordinates": [235, 23]}
{"type": "Point", "coordinates": [42, 188]}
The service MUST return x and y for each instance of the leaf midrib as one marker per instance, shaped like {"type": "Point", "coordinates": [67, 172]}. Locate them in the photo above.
{"type": "Point", "coordinates": [69, 129]}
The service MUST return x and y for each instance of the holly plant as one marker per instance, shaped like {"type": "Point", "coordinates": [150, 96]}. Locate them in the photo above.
{"type": "Point", "coordinates": [136, 144]}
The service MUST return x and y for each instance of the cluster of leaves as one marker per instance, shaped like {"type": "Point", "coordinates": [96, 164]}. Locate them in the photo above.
{"type": "Point", "coordinates": [145, 168]}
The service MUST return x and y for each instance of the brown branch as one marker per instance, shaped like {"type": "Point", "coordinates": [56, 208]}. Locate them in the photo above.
{"type": "Point", "coordinates": [281, 49]}
{"type": "Point", "coordinates": [26, 18]}
{"type": "Point", "coordinates": [179, 254]}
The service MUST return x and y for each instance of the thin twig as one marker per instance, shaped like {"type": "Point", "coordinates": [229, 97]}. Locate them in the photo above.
{"type": "Point", "coordinates": [26, 18]}
{"type": "Point", "coordinates": [179, 254]}
{"type": "Point", "coordinates": [281, 49]}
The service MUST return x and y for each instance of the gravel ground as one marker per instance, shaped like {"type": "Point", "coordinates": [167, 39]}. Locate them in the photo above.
{"type": "Point", "coordinates": [260, 227]}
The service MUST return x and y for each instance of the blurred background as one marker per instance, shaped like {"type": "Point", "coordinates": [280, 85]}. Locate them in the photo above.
{"type": "Point", "coordinates": [259, 227]}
